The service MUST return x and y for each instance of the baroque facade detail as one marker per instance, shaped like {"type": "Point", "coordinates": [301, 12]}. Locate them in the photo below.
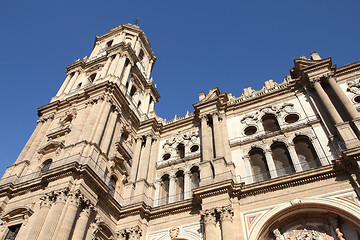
{"type": "Point", "coordinates": [277, 163]}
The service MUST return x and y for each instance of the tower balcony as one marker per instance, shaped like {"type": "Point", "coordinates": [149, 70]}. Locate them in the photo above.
{"type": "Point", "coordinates": [124, 149]}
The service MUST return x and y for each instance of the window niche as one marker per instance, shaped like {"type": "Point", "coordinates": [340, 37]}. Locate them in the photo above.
{"type": "Point", "coordinates": [258, 165]}
{"type": "Point", "coordinates": [112, 185]}
{"type": "Point", "coordinates": [292, 118]}
{"type": "Point", "coordinates": [46, 165]}
{"type": "Point", "coordinates": [270, 123]}
{"type": "Point", "coordinates": [195, 177]}
{"type": "Point", "coordinates": [250, 130]}
{"type": "Point", "coordinates": [166, 156]}
{"type": "Point", "coordinates": [180, 150]}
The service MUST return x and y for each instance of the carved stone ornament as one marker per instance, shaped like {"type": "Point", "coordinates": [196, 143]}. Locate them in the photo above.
{"type": "Point", "coordinates": [226, 213]}
{"type": "Point", "coordinates": [276, 109]}
{"type": "Point", "coordinates": [209, 216]}
{"type": "Point", "coordinates": [354, 86]}
{"type": "Point", "coordinates": [174, 232]}
{"type": "Point", "coordinates": [185, 138]}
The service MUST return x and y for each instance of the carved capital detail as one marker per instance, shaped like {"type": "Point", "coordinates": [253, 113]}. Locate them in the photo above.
{"type": "Point", "coordinates": [209, 216]}
{"type": "Point", "coordinates": [226, 213]}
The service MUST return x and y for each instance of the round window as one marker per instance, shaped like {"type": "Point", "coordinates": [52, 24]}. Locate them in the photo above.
{"type": "Point", "coordinates": [166, 156]}
{"type": "Point", "coordinates": [291, 118]}
{"type": "Point", "coordinates": [194, 148]}
{"type": "Point", "coordinates": [357, 99]}
{"type": "Point", "coordinates": [250, 130]}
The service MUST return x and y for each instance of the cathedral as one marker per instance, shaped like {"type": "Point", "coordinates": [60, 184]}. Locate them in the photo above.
{"type": "Point", "coordinates": [277, 163]}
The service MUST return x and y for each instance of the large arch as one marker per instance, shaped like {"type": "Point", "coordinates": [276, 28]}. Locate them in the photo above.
{"type": "Point", "coordinates": [277, 217]}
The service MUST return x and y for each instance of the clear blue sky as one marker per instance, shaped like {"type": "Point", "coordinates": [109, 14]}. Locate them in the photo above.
{"type": "Point", "coordinates": [199, 44]}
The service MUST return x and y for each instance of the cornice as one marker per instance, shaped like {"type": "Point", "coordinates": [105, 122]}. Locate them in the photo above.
{"type": "Point", "coordinates": [347, 69]}
{"type": "Point", "coordinates": [287, 181]}
{"type": "Point", "coordinates": [292, 87]}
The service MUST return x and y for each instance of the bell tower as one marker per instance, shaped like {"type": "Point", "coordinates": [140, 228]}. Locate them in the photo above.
{"type": "Point", "coordinates": [122, 56]}
{"type": "Point", "coordinates": [83, 150]}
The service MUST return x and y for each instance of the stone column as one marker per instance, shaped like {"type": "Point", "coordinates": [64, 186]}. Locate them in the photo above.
{"type": "Point", "coordinates": [126, 74]}
{"type": "Point", "coordinates": [335, 225]}
{"type": "Point", "coordinates": [354, 114]}
{"type": "Point", "coordinates": [319, 152]}
{"type": "Point", "coordinates": [187, 184]}
{"type": "Point", "coordinates": [81, 223]}
{"type": "Point", "coordinates": [100, 123]}
{"type": "Point", "coordinates": [327, 103]}
{"type": "Point", "coordinates": [110, 128]}
{"type": "Point", "coordinates": [29, 142]}
{"type": "Point", "coordinates": [153, 159]}
{"type": "Point", "coordinates": [343, 98]}
{"type": "Point", "coordinates": [120, 67]}
{"type": "Point", "coordinates": [172, 188]}
{"type": "Point", "coordinates": [41, 135]}
{"type": "Point", "coordinates": [226, 222]}
{"type": "Point", "coordinates": [70, 214]}
{"type": "Point", "coordinates": [79, 132]}
{"type": "Point", "coordinates": [148, 71]}
{"type": "Point", "coordinates": [205, 139]}
{"type": "Point", "coordinates": [144, 158]}
{"type": "Point", "coordinates": [343, 128]}
{"type": "Point", "coordinates": [271, 164]}
{"type": "Point", "coordinates": [209, 218]}
{"type": "Point", "coordinates": [219, 145]}
{"type": "Point", "coordinates": [53, 216]}
{"type": "Point", "coordinates": [294, 157]}
{"type": "Point", "coordinates": [113, 64]}
{"type": "Point", "coordinates": [90, 121]}
{"type": "Point", "coordinates": [72, 82]}
{"type": "Point", "coordinates": [35, 228]}
{"type": "Point", "coordinates": [135, 160]}
{"type": "Point", "coordinates": [63, 86]}
{"type": "Point", "coordinates": [157, 192]}
{"type": "Point", "coordinates": [105, 69]}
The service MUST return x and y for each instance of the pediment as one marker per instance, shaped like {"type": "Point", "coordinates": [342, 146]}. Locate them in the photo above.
{"type": "Point", "coordinates": [50, 146]}
{"type": "Point", "coordinates": [212, 95]}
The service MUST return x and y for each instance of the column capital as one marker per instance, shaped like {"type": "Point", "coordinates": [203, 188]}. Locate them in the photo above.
{"type": "Point", "coordinates": [204, 117]}
{"type": "Point", "coordinates": [226, 213]}
{"type": "Point", "coordinates": [134, 233]}
{"type": "Point", "coordinates": [75, 198]}
{"type": "Point", "coordinates": [209, 216]}
{"type": "Point", "coordinates": [60, 196]}
{"type": "Point", "coordinates": [45, 201]}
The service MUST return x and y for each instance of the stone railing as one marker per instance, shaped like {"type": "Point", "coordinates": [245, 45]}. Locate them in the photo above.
{"type": "Point", "coordinates": [287, 127]}
{"type": "Point", "coordinates": [265, 90]}
{"type": "Point", "coordinates": [176, 160]}
{"type": "Point", "coordinates": [175, 119]}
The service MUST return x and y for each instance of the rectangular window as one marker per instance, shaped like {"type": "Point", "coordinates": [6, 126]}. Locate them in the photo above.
{"type": "Point", "coordinates": [12, 232]}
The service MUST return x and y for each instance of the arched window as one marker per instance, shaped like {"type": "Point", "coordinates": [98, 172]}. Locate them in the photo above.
{"type": "Point", "coordinates": [258, 164]}
{"type": "Point", "coordinates": [92, 77]}
{"type": "Point", "coordinates": [112, 185]}
{"type": "Point", "coordinates": [179, 190]}
{"type": "Point", "coordinates": [306, 153]}
{"type": "Point", "coordinates": [139, 104]}
{"type": "Point", "coordinates": [79, 85]}
{"type": "Point", "coordinates": [109, 43]}
{"type": "Point", "coordinates": [195, 177]}
{"type": "Point", "coordinates": [164, 189]}
{"type": "Point", "coordinates": [141, 55]}
{"type": "Point", "coordinates": [46, 165]}
{"type": "Point", "coordinates": [180, 149]}
{"type": "Point", "coordinates": [282, 159]}
{"type": "Point", "coordinates": [270, 123]}
{"type": "Point", "coordinates": [132, 91]}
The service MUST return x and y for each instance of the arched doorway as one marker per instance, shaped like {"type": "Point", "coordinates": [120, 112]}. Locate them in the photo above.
{"type": "Point", "coordinates": [310, 221]}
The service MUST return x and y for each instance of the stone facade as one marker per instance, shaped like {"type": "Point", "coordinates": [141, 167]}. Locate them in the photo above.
{"type": "Point", "coordinates": [278, 163]}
